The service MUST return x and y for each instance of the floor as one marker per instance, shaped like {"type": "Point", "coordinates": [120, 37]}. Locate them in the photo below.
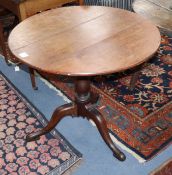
{"type": "Point", "coordinates": [97, 158]}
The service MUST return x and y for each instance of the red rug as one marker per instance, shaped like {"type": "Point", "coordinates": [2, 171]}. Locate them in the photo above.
{"type": "Point", "coordinates": [141, 119]}
{"type": "Point", "coordinates": [51, 154]}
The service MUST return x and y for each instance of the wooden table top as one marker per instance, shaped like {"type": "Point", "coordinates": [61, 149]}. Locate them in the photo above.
{"type": "Point", "coordinates": [84, 41]}
{"type": "Point", "coordinates": [158, 11]}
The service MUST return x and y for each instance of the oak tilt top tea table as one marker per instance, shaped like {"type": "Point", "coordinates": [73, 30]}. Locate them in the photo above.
{"type": "Point", "coordinates": [82, 42]}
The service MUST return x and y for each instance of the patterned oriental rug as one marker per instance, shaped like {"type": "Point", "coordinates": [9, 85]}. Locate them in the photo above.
{"type": "Point", "coordinates": [51, 154]}
{"type": "Point", "coordinates": [140, 119]}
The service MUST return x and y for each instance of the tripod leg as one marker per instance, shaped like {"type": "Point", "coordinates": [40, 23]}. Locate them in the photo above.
{"type": "Point", "coordinates": [100, 122]}
{"type": "Point", "coordinates": [59, 113]}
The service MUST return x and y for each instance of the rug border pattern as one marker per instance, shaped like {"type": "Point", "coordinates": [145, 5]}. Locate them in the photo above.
{"type": "Point", "coordinates": [75, 154]}
{"type": "Point", "coordinates": [93, 88]}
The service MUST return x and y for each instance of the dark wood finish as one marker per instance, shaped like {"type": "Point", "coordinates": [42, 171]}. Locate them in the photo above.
{"type": "Point", "coordinates": [87, 37]}
{"type": "Point", "coordinates": [82, 42]}
{"type": "Point", "coordinates": [7, 56]}
{"type": "Point", "coordinates": [11, 6]}
{"type": "Point", "coordinates": [3, 11]}
{"type": "Point", "coordinates": [158, 11]}
{"type": "Point", "coordinates": [134, 79]}
{"type": "Point", "coordinates": [58, 114]}
{"type": "Point", "coordinates": [82, 107]}
{"type": "Point", "coordinates": [32, 77]}
{"type": "Point", "coordinates": [25, 9]}
{"type": "Point", "coordinates": [3, 46]}
{"type": "Point", "coordinates": [14, 8]}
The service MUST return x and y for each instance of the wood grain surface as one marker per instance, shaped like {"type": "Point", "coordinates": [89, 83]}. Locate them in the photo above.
{"type": "Point", "coordinates": [84, 41]}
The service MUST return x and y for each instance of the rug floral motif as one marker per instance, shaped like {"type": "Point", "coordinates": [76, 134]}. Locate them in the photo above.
{"type": "Point", "coordinates": [51, 154]}
{"type": "Point", "coordinates": [141, 118]}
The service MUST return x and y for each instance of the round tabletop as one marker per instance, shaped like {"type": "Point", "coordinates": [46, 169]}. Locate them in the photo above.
{"type": "Point", "coordinates": [84, 41]}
